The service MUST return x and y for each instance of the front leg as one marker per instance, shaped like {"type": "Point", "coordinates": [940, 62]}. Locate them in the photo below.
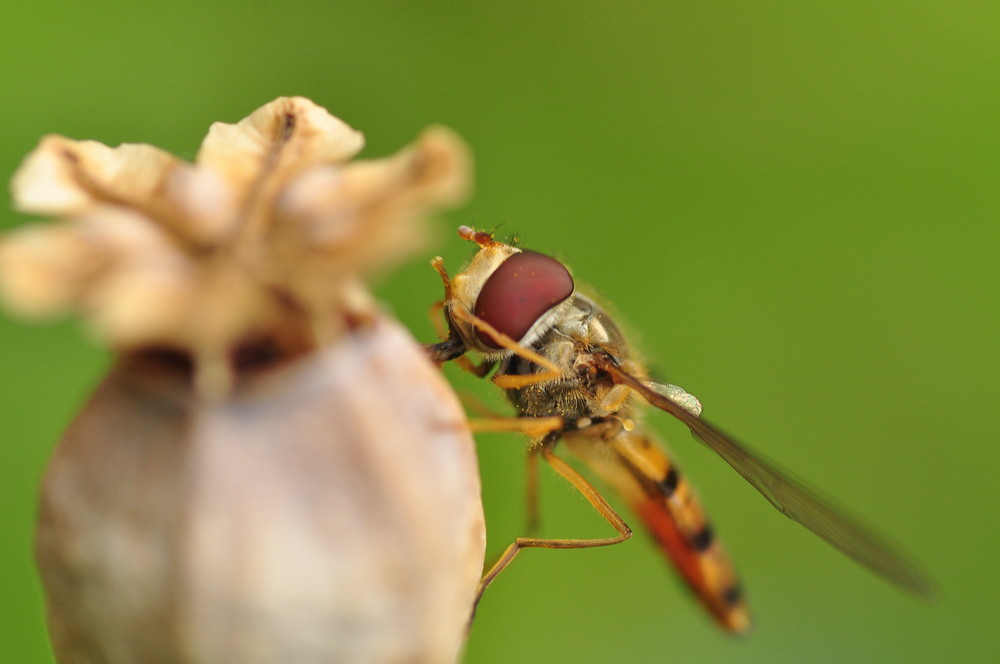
{"type": "Point", "coordinates": [505, 381]}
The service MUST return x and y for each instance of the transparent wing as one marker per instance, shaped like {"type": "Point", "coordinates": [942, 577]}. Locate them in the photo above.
{"type": "Point", "coordinates": [791, 497]}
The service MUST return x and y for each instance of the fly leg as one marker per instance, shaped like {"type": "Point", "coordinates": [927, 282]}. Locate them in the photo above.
{"type": "Point", "coordinates": [451, 347]}
{"type": "Point", "coordinates": [552, 372]}
{"type": "Point", "coordinates": [532, 520]}
{"type": "Point", "coordinates": [436, 314]}
{"type": "Point", "coordinates": [592, 496]}
{"type": "Point", "coordinates": [487, 419]}
{"type": "Point", "coordinates": [535, 427]}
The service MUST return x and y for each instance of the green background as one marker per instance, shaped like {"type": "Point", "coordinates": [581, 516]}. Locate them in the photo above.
{"type": "Point", "coordinates": [794, 204]}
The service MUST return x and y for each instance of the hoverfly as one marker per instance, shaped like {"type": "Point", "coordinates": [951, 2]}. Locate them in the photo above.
{"type": "Point", "coordinates": [566, 368]}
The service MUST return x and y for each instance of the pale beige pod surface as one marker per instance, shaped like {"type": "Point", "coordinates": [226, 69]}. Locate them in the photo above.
{"type": "Point", "coordinates": [328, 512]}
{"type": "Point", "coordinates": [273, 471]}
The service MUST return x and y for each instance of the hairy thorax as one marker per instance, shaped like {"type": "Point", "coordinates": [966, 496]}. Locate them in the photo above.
{"type": "Point", "coordinates": [582, 391]}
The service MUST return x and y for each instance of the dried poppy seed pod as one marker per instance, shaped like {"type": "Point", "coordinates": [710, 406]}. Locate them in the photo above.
{"type": "Point", "coordinates": [273, 471]}
{"type": "Point", "coordinates": [326, 511]}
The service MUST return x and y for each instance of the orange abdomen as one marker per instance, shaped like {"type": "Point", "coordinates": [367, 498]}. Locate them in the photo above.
{"type": "Point", "coordinates": [658, 493]}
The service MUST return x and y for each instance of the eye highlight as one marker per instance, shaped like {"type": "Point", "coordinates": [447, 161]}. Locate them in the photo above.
{"type": "Point", "coordinates": [521, 291]}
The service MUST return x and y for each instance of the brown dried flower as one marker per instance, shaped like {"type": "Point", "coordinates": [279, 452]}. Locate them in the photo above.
{"type": "Point", "coordinates": [273, 471]}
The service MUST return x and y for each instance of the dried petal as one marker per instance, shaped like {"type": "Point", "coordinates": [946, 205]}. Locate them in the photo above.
{"type": "Point", "coordinates": [279, 139]}
{"type": "Point", "coordinates": [45, 269]}
{"type": "Point", "coordinates": [349, 219]}
{"type": "Point", "coordinates": [65, 177]}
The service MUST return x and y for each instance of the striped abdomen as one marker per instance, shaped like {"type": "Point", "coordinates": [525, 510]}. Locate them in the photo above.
{"type": "Point", "coordinates": [655, 489]}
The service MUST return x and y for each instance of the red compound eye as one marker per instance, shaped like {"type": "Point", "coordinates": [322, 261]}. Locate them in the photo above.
{"type": "Point", "coordinates": [519, 292]}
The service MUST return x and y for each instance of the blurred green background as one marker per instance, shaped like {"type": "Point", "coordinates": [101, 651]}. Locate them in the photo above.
{"type": "Point", "coordinates": [795, 205]}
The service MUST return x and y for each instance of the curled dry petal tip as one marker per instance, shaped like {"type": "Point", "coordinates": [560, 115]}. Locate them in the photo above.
{"type": "Point", "coordinates": [64, 177]}
{"type": "Point", "coordinates": [291, 130]}
{"type": "Point", "coordinates": [44, 269]}
{"type": "Point", "coordinates": [449, 153]}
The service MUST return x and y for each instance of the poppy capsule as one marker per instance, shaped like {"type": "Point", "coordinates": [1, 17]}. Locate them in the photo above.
{"type": "Point", "coordinates": [326, 511]}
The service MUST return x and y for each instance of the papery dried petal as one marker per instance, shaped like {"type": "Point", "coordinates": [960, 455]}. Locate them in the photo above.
{"type": "Point", "coordinates": [282, 138]}
{"type": "Point", "coordinates": [64, 177]}
{"type": "Point", "coordinates": [204, 203]}
{"type": "Point", "coordinates": [45, 269]}
{"type": "Point", "coordinates": [175, 305]}
{"type": "Point", "coordinates": [124, 235]}
{"type": "Point", "coordinates": [432, 173]}
{"type": "Point", "coordinates": [349, 219]}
